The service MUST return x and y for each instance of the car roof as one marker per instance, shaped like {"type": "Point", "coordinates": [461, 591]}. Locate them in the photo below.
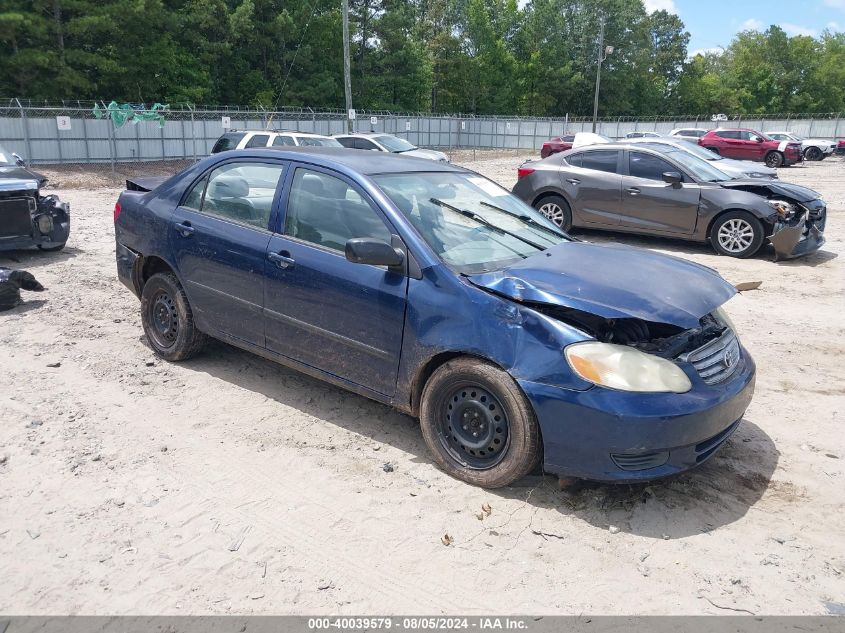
{"type": "Point", "coordinates": [361, 161]}
{"type": "Point", "coordinates": [365, 134]}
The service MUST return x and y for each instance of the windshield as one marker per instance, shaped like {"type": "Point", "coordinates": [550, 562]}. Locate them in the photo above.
{"type": "Point", "coordinates": [394, 144]}
{"type": "Point", "coordinates": [472, 224]}
{"type": "Point", "coordinates": [699, 168]}
{"type": "Point", "coordinates": [319, 141]}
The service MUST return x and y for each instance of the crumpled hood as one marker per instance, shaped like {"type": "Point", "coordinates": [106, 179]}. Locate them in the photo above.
{"type": "Point", "coordinates": [21, 173]}
{"type": "Point", "coordinates": [613, 281]}
{"type": "Point", "coordinates": [796, 192]}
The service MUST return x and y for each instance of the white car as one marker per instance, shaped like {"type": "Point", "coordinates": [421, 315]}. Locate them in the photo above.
{"type": "Point", "coordinates": [376, 142]}
{"type": "Point", "coordinates": [813, 148]}
{"type": "Point", "coordinates": [589, 138]}
{"type": "Point", "coordinates": [689, 132]}
{"type": "Point", "coordinates": [642, 135]}
{"type": "Point", "coordinates": [244, 139]}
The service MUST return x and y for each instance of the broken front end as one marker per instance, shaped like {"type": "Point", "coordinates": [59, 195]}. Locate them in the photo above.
{"type": "Point", "coordinates": [798, 228]}
{"type": "Point", "coordinates": [29, 219]}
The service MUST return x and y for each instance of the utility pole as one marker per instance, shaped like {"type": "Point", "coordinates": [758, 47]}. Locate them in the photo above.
{"type": "Point", "coordinates": [347, 81]}
{"type": "Point", "coordinates": [602, 55]}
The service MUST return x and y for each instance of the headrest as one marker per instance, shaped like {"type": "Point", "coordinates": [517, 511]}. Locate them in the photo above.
{"type": "Point", "coordinates": [229, 187]}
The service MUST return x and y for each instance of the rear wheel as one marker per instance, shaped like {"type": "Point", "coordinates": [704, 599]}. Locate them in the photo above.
{"type": "Point", "coordinates": [478, 425]}
{"type": "Point", "coordinates": [168, 320]}
{"type": "Point", "coordinates": [737, 234]}
{"type": "Point", "coordinates": [556, 209]}
{"type": "Point", "coordinates": [813, 153]}
{"type": "Point", "coordinates": [774, 159]}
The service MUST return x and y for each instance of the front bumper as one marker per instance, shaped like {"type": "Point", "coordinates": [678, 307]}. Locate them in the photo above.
{"type": "Point", "coordinates": [614, 436]}
{"type": "Point", "coordinates": [802, 235]}
{"type": "Point", "coordinates": [32, 235]}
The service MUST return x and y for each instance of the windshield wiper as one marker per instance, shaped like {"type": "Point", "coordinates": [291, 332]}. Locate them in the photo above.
{"type": "Point", "coordinates": [525, 219]}
{"type": "Point", "coordinates": [485, 222]}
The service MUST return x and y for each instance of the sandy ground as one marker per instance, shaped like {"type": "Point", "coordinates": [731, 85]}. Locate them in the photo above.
{"type": "Point", "coordinates": [228, 484]}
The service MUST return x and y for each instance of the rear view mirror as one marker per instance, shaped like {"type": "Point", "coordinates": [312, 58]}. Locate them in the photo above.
{"type": "Point", "coordinates": [368, 250]}
{"type": "Point", "coordinates": [673, 178]}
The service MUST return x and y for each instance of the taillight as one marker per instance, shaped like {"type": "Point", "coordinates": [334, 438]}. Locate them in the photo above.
{"type": "Point", "coordinates": [116, 211]}
{"type": "Point", "coordinates": [522, 172]}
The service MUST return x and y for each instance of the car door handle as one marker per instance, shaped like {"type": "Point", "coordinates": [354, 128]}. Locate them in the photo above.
{"type": "Point", "coordinates": [282, 259]}
{"type": "Point", "coordinates": [634, 191]}
{"type": "Point", "coordinates": [185, 229]}
{"type": "Point", "coordinates": [573, 181]}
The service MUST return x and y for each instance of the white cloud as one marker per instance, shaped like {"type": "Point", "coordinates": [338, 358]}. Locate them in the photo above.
{"type": "Point", "coordinates": [797, 29]}
{"type": "Point", "coordinates": [835, 4]}
{"type": "Point", "coordinates": [717, 50]}
{"type": "Point", "coordinates": [751, 24]}
{"type": "Point", "coordinates": [834, 26]}
{"type": "Point", "coordinates": [663, 5]}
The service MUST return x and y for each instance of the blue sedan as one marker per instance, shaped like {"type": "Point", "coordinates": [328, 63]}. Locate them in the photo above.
{"type": "Point", "coordinates": [427, 287]}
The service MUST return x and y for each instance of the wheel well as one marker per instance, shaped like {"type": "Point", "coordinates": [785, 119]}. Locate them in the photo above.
{"type": "Point", "coordinates": [147, 267]}
{"type": "Point", "coordinates": [433, 364]}
{"type": "Point", "coordinates": [721, 213]}
{"type": "Point", "coordinates": [549, 194]}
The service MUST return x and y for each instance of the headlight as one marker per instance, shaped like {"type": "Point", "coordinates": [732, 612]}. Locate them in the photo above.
{"type": "Point", "coordinates": [625, 368]}
{"type": "Point", "coordinates": [722, 317]}
{"type": "Point", "coordinates": [45, 224]}
{"type": "Point", "coordinates": [784, 208]}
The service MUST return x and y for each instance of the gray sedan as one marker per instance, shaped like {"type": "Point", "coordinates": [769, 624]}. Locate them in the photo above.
{"type": "Point", "coordinates": [637, 189]}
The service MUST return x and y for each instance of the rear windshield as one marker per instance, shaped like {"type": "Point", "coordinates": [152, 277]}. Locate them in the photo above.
{"type": "Point", "coordinates": [227, 141]}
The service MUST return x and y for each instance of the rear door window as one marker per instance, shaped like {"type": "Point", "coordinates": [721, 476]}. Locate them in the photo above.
{"type": "Point", "coordinates": [346, 141]}
{"type": "Point", "coordinates": [227, 141]}
{"type": "Point", "coordinates": [728, 134]}
{"type": "Point", "coordinates": [362, 143]}
{"type": "Point", "coordinates": [241, 192]}
{"type": "Point", "coordinates": [282, 141]}
{"type": "Point", "coordinates": [600, 160]}
{"type": "Point", "coordinates": [258, 140]}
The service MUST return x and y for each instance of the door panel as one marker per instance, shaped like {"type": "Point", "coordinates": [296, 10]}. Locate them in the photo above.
{"type": "Point", "coordinates": [320, 309]}
{"type": "Point", "coordinates": [649, 203]}
{"type": "Point", "coordinates": [594, 186]}
{"type": "Point", "coordinates": [219, 239]}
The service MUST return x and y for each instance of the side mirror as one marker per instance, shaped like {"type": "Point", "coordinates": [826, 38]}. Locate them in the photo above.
{"type": "Point", "coordinates": [673, 178]}
{"type": "Point", "coordinates": [18, 160]}
{"type": "Point", "coordinates": [758, 139]}
{"type": "Point", "coordinates": [369, 250]}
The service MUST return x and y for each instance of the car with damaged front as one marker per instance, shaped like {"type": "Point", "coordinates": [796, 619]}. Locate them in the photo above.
{"type": "Point", "coordinates": [28, 217]}
{"type": "Point", "coordinates": [427, 287]}
{"type": "Point", "coordinates": [664, 190]}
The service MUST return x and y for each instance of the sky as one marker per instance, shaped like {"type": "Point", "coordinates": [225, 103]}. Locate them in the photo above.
{"type": "Point", "coordinates": [713, 23]}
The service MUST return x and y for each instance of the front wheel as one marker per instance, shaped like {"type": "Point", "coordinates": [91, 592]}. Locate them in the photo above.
{"type": "Point", "coordinates": [52, 249]}
{"type": "Point", "coordinates": [478, 425]}
{"type": "Point", "coordinates": [774, 159]}
{"type": "Point", "coordinates": [168, 320]}
{"type": "Point", "coordinates": [737, 234]}
{"type": "Point", "coordinates": [813, 153]}
{"type": "Point", "coordinates": [556, 209]}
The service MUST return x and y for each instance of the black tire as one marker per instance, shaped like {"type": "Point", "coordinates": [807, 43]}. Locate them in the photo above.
{"type": "Point", "coordinates": [167, 319]}
{"type": "Point", "coordinates": [737, 234]}
{"type": "Point", "coordinates": [489, 400]}
{"type": "Point", "coordinates": [774, 159]}
{"type": "Point", "coordinates": [813, 153]}
{"type": "Point", "coordinates": [556, 209]}
{"type": "Point", "coordinates": [52, 249]}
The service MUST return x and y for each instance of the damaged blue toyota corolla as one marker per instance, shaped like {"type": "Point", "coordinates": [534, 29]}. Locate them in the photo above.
{"type": "Point", "coordinates": [432, 289]}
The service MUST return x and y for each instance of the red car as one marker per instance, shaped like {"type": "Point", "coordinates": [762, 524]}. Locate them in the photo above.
{"type": "Point", "coordinates": [557, 144]}
{"type": "Point", "coordinates": [745, 144]}
{"type": "Point", "coordinates": [840, 147]}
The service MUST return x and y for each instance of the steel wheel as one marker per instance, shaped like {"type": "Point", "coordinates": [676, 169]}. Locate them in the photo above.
{"type": "Point", "coordinates": [164, 317]}
{"type": "Point", "coordinates": [735, 235]}
{"type": "Point", "coordinates": [473, 427]}
{"type": "Point", "coordinates": [553, 212]}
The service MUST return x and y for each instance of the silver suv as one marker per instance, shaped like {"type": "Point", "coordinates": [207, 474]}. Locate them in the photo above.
{"type": "Point", "coordinates": [244, 139]}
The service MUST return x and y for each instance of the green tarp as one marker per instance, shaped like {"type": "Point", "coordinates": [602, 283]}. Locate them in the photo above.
{"type": "Point", "coordinates": [121, 114]}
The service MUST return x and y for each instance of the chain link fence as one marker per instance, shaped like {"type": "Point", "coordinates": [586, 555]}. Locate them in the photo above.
{"type": "Point", "coordinates": [79, 137]}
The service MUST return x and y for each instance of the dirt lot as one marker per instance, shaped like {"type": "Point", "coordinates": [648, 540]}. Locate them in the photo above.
{"type": "Point", "coordinates": [228, 484]}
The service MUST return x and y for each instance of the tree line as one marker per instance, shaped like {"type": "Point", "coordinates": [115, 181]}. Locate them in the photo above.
{"type": "Point", "coordinates": [470, 56]}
